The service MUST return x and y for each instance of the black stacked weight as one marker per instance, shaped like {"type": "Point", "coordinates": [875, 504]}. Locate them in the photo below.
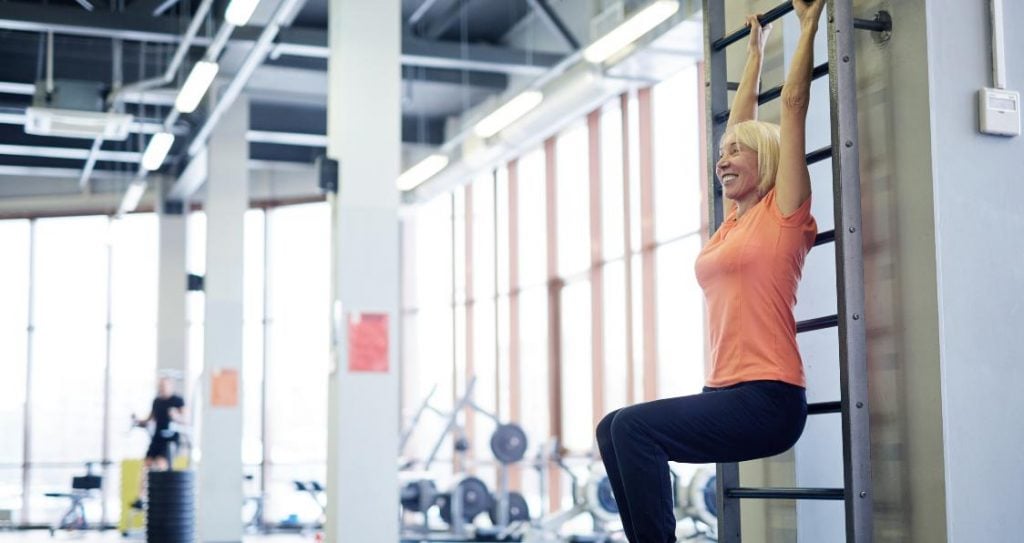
{"type": "Point", "coordinates": [170, 513]}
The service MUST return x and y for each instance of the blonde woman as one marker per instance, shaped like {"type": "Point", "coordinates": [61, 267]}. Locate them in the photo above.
{"type": "Point", "coordinates": [754, 403]}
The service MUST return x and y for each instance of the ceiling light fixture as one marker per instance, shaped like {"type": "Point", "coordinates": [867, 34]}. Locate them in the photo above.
{"type": "Point", "coordinates": [630, 30]}
{"type": "Point", "coordinates": [131, 198]}
{"type": "Point", "coordinates": [508, 113]}
{"type": "Point", "coordinates": [423, 170]}
{"type": "Point", "coordinates": [239, 11]}
{"type": "Point", "coordinates": [195, 86]}
{"type": "Point", "coordinates": [157, 150]}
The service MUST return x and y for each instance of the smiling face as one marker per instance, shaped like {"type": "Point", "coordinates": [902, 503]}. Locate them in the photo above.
{"type": "Point", "coordinates": [737, 170]}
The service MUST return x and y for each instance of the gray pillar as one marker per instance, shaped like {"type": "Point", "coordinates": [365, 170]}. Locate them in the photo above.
{"type": "Point", "coordinates": [227, 197]}
{"type": "Point", "coordinates": [363, 134]}
{"type": "Point", "coordinates": [172, 326]}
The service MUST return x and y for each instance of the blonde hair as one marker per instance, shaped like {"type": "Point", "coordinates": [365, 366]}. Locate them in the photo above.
{"type": "Point", "coordinates": [763, 138]}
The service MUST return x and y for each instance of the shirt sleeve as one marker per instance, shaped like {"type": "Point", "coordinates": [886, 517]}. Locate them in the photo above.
{"type": "Point", "coordinates": [800, 217]}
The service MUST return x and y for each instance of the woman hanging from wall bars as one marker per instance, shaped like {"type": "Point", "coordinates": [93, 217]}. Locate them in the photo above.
{"type": "Point", "coordinates": [753, 404]}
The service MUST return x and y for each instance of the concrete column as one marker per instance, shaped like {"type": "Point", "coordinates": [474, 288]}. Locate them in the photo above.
{"type": "Point", "coordinates": [172, 326]}
{"type": "Point", "coordinates": [227, 197]}
{"type": "Point", "coordinates": [363, 130]}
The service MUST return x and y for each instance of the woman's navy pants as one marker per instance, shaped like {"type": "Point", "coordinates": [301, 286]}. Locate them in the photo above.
{"type": "Point", "coordinates": [742, 422]}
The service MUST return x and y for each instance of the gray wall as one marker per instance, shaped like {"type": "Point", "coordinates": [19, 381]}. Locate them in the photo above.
{"type": "Point", "coordinates": [978, 189]}
{"type": "Point", "coordinates": [940, 221]}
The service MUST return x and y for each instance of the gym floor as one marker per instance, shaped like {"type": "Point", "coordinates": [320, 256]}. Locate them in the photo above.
{"type": "Point", "coordinates": [113, 536]}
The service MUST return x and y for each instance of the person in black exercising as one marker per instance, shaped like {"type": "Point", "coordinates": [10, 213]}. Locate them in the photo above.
{"type": "Point", "coordinates": [167, 412]}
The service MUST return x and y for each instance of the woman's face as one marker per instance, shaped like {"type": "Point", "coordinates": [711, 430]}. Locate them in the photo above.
{"type": "Point", "coordinates": [737, 169]}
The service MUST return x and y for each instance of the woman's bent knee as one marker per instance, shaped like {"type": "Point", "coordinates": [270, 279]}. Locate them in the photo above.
{"type": "Point", "coordinates": [604, 428]}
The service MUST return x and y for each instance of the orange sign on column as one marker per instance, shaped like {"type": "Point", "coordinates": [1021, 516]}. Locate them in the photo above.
{"type": "Point", "coordinates": [224, 388]}
{"type": "Point", "coordinates": [368, 342]}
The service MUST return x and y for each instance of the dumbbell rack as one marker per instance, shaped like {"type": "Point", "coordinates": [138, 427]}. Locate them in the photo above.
{"type": "Point", "coordinates": [508, 443]}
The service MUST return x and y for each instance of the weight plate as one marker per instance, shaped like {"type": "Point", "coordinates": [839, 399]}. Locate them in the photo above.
{"type": "Point", "coordinates": [508, 443]}
{"type": "Point", "coordinates": [605, 496]}
{"type": "Point", "coordinates": [518, 509]}
{"type": "Point", "coordinates": [413, 498]}
{"type": "Point", "coordinates": [475, 500]}
{"type": "Point", "coordinates": [703, 491]}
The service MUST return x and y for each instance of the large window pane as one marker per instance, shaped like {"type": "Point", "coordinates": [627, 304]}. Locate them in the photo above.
{"type": "Point", "coordinates": [577, 368]}
{"type": "Point", "coordinates": [532, 220]}
{"type": "Point", "coordinates": [14, 245]}
{"type": "Point", "coordinates": [573, 189]}
{"type": "Point", "coordinates": [134, 255]}
{"type": "Point", "coordinates": [298, 309]}
{"type": "Point", "coordinates": [459, 239]}
{"type": "Point", "coordinates": [483, 238]}
{"type": "Point", "coordinates": [615, 374]}
{"type": "Point", "coordinates": [676, 155]}
{"type": "Point", "coordinates": [533, 329]}
{"type": "Point", "coordinates": [252, 338]}
{"type": "Point", "coordinates": [612, 213]}
{"type": "Point", "coordinates": [433, 347]}
{"type": "Point", "coordinates": [484, 359]}
{"type": "Point", "coordinates": [69, 342]}
{"type": "Point", "coordinates": [501, 224]}
{"type": "Point", "coordinates": [680, 320]}
{"type": "Point", "coordinates": [10, 489]}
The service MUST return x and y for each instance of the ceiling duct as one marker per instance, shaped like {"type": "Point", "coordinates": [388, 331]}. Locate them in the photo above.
{"type": "Point", "coordinates": [74, 109]}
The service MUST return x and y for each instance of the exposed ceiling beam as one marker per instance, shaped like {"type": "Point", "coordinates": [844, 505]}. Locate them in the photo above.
{"type": "Point", "coordinates": [420, 12]}
{"type": "Point", "coordinates": [154, 8]}
{"type": "Point", "coordinates": [57, 173]}
{"type": "Point", "coordinates": [434, 28]}
{"type": "Point", "coordinates": [136, 127]}
{"type": "Point", "coordinates": [99, 24]}
{"type": "Point", "coordinates": [291, 41]}
{"type": "Point", "coordinates": [421, 52]}
{"type": "Point", "coordinates": [71, 153]}
{"type": "Point", "coordinates": [554, 22]}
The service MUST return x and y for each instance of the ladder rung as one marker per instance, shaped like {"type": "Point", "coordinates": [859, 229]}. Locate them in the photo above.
{"type": "Point", "coordinates": [775, 13]}
{"type": "Point", "coordinates": [824, 408]}
{"type": "Point", "coordinates": [881, 23]}
{"type": "Point", "coordinates": [819, 323]}
{"type": "Point", "coordinates": [819, 71]}
{"type": "Point", "coordinates": [786, 493]}
{"type": "Point", "coordinates": [825, 237]}
{"type": "Point", "coordinates": [770, 94]}
{"type": "Point", "coordinates": [819, 155]}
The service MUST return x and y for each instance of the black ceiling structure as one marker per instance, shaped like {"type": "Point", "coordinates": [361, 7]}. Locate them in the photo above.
{"type": "Point", "coordinates": [453, 58]}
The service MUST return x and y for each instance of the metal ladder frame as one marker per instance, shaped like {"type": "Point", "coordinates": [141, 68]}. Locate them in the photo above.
{"type": "Point", "coordinates": [843, 151]}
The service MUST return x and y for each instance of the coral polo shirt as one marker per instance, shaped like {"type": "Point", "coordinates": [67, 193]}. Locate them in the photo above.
{"type": "Point", "coordinates": [749, 271]}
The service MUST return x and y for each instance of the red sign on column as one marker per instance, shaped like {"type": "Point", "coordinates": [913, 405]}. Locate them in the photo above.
{"type": "Point", "coordinates": [368, 342]}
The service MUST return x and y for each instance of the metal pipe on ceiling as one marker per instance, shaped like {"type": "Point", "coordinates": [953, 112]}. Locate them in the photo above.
{"type": "Point", "coordinates": [117, 97]}
{"type": "Point", "coordinates": [420, 12]}
{"type": "Point", "coordinates": [70, 153]}
{"type": "Point", "coordinates": [554, 22]}
{"type": "Point", "coordinates": [255, 57]}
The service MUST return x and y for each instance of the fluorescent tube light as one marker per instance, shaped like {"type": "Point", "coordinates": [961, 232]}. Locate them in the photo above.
{"type": "Point", "coordinates": [239, 11]}
{"type": "Point", "coordinates": [195, 86]}
{"type": "Point", "coordinates": [157, 150]}
{"type": "Point", "coordinates": [422, 171]}
{"type": "Point", "coordinates": [630, 30]}
{"type": "Point", "coordinates": [508, 113]}
{"type": "Point", "coordinates": [132, 196]}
